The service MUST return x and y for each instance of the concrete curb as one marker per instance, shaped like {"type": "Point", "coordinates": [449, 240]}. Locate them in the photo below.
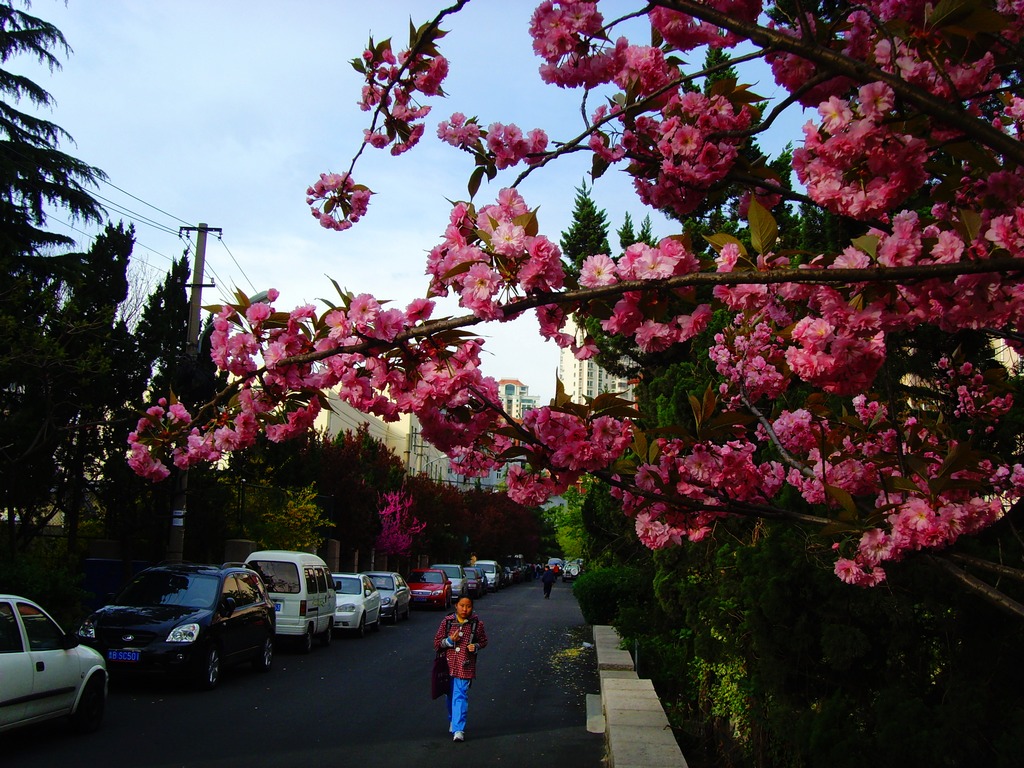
{"type": "Point", "coordinates": [636, 729]}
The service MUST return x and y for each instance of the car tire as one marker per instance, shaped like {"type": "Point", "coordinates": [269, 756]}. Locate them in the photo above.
{"type": "Point", "coordinates": [306, 642]}
{"type": "Point", "coordinates": [208, 674]}
{"type": "Point", "coordinates": [396, 616]}
{"type": "Point", "coordinates": [265, 659]}
{"type": "Point", "coordinates": [328, 635]}
{"type": "Point", "coordinates": [376, 624]}
{"type": "Point", "coordinates": [88, 715]}
{"type": "Point", "coordinates": [408, 611]}
{"type": "Point", "coordinates": [361, 629]}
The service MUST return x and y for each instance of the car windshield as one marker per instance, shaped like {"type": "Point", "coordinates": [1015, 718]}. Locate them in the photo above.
{"type": "Point", "coordinates": [383, 582]}
{"type": "Point", "coordinates": [425, 577]}
{"type": "Point", "coordinates": [451, 570]}
{"type": "Point", "coordinates": [348, 585]}
{"type": "Point", "coordinates": [189, 590]}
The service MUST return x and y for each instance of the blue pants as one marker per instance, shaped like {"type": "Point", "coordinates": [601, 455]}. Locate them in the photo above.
{"type": "Point", "coordinates": [458, 703]}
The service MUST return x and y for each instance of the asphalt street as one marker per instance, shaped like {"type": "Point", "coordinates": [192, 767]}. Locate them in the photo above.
{"type": "Point", "coordinates": [360, 701]}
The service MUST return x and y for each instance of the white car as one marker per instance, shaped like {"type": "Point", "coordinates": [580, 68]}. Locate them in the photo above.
{"type": "Point", "coordinates": [358, 603]}
{"type": "Point", "coordinates": [44, 672]}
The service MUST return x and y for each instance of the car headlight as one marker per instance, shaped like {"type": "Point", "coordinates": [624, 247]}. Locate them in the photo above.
{"type": "Point", "coordinates": [347, 607]}
{"type": "Point", "coordinates": [385, 601]}
{"type": "Point", "coordinates": [186, 633]}
{"type": "Point", "coordinates": [87, 630]}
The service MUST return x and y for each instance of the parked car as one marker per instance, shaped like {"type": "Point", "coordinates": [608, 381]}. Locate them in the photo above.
{"type": "Point", "coordinates": [493, 571]}
{"type": "Point", "coordinates": [572, 570]}
{"type": "Point", "coordinates": [302, 590]}
{"type": "Point", "coordinates": [458, 577]}
{"type": "Point", "coordinates": [430, 587]}
{"type": "Point", "coordinates": [186, 619]}
{"type": "Point", "coordinates": [359, 603]}
{"type": "Point", "coordinates": [476, 582]}
{"type": "Point", "coordinates": [46, 673]}
{"type": "Point", "coordinates": [395, 596]}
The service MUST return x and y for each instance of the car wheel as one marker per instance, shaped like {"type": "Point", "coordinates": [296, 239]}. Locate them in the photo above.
{"type": "Point", "coordinates": [89, 713]}
{"type": "Point", "coordinates": [265, 659]}
{"type": "Point", "coordinates": [376, 624]}
{"type": "Point", "coordinates": [396, 616]}
{"type": "Point", "coordinates": [209, 670]}
{"type": "Point", "coordinates": [306, 643]}
{"type": "Point", "coordinates": [328, 635]}
{"type": "Point", "coordinates": [361, 629]}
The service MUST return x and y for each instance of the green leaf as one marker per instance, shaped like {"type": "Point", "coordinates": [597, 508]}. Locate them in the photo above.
{"type": "Point", "coordinates": [847, 506]}
{"type": "Point", "coordinates": [763, 229]}
{"type": "Point", "coordinates": [722, 239]}
{"type": "Point", "coordinates": [866, 243]}
{"type": "Point", "coordinates": [475, 178]}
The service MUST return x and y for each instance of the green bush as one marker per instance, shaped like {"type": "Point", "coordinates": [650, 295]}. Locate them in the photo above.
{"type": "Point", "coordinates": [603, 592]}
{"type": "Point", "coordinates": [45, 576]}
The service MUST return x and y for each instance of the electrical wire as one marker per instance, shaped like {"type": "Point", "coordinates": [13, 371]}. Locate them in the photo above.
{"type": "Point", "coordinates": [221, 238]}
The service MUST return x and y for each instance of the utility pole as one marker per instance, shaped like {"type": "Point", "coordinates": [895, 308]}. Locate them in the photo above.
{"type": "Point", "coordinates": [176, 539]}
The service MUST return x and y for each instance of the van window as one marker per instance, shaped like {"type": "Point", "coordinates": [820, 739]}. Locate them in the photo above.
{"type": "Point", "coordinates": [311, 585]}
{"type": "Point", "coordinates": [323, 583]}
{"type": "Point", "coordinates": [279, 576]}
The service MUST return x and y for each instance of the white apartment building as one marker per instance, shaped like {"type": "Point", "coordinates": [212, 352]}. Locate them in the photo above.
{"type": "Point", "coordinates": [516, 398]}
{"type": "Point", "coordinates": [583, 379]}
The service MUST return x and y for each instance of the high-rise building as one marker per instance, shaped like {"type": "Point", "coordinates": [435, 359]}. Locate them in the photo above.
{"type": "Point", "coordinates": [516, 398]}
{"type": "Point", "coordinates": [584, 379]}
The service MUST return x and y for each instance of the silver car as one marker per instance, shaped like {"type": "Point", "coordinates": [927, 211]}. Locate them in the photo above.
{"type": "Point", "coordinates": [458, 578]}
{"type": "Point", "coordinates": [395, 595]}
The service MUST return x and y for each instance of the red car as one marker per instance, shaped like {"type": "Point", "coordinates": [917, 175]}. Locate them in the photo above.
{"type": "Point", "coordinates": [430, 587]}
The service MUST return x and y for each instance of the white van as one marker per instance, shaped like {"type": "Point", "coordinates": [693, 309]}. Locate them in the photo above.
{"type": "Point", "coordinates": [302, 589]}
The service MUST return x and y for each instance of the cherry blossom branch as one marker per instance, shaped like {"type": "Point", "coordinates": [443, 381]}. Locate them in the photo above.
{"type": "Point", "coordinates": [861, 71]}
{"type": "Point", "coordinates": [974, 584]}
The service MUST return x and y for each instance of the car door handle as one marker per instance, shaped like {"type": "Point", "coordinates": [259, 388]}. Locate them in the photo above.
{"type": "Point", "coordinates": [40, 666]}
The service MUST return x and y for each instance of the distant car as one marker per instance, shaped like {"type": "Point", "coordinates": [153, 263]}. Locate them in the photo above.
{"type": "Point", "coordinates": [46, 673]}
{"type": "Point", "coordinates": [493, 571]}
{"type": "Point", "coordinates": [476, 582]}
{"type": "Point", "coordinates": [430, 587]}
{"type": "Point", "coordinates": [186, 619]}
{"type": "Point", "coordinates": [458, 577]}
{"type": "Point", "coordinates": [572, 569]}
{"type": "Point", "coordinates": [395, 595]}
{"type": "Point", "coordinates": [359, 603]}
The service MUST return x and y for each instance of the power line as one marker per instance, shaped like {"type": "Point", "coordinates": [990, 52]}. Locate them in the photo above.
{"type": "Point", "coordinates": [165, 213]}
{"type": "Point", "coordinates": [221, 238]}
{"type": "Point", "coordinates": [136, 216]}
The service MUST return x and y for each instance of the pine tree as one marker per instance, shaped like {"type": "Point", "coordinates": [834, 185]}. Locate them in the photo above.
{"type": "Point", "coordinates": [588, 233]}
{"type": "Point", "coordinates": [34, 174]}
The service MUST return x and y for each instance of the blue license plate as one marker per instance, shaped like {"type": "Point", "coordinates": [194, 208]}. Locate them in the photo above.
{"type": "Point", "coordinates": [419, 599]}
{"type": "Point", "coordinates": [124, 655]}
{"type": "Point", "coordinates": [278, 607]}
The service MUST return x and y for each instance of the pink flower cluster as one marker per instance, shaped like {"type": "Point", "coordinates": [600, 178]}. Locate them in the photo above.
{"type": "Point", "coordinates": [492, 255]}
{"type": "Point", "coordinates": [686, 33]}
{"type": "Point", "coordinates": [336, 201]}
{"type": "Point", "coordinates": [391, 87]}
{"type": "Point", "coordinates": [706, 478]}
{"type": "Point", "coordinates": [689, 148]}
{"type": "Point", "coordinates": [855, 163]}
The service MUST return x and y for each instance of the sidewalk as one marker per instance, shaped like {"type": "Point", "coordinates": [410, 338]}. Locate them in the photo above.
{"type": "Point", "coordinates": [636, 729]}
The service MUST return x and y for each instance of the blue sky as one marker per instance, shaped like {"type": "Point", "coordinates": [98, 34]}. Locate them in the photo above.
{"type": "Point", "coordinates": [223, 112]}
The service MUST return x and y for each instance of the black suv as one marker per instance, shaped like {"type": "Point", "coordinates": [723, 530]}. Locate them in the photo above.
{"type": "Point", "coordinates": [192, 619]}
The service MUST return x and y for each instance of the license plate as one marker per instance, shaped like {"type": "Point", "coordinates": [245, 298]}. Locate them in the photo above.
{"type": "Point", "coordinates": [124, 655]}
{"type": "Point", "coordinates": [278, 607]}
{"type": "Point", "coordinates": [419, 599]}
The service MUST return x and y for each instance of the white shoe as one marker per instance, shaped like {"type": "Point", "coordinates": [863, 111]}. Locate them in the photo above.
{"type": "Point", "coordinates": [459, 736]}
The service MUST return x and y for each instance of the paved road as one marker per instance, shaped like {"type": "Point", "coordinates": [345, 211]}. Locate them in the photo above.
{"type": "Point", "coordinates": [362, 702]}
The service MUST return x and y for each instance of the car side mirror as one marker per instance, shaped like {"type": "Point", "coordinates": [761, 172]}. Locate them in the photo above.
{"type": "Point", "coordinates": [227, 606]}
{"type": "Point", "coordinates": [70, 641]}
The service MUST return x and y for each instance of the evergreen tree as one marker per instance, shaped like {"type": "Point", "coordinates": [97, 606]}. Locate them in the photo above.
{"type": "Point", "coordinates": [588, 233]}
{"type": "Point", "coordinates": [34, 174]}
